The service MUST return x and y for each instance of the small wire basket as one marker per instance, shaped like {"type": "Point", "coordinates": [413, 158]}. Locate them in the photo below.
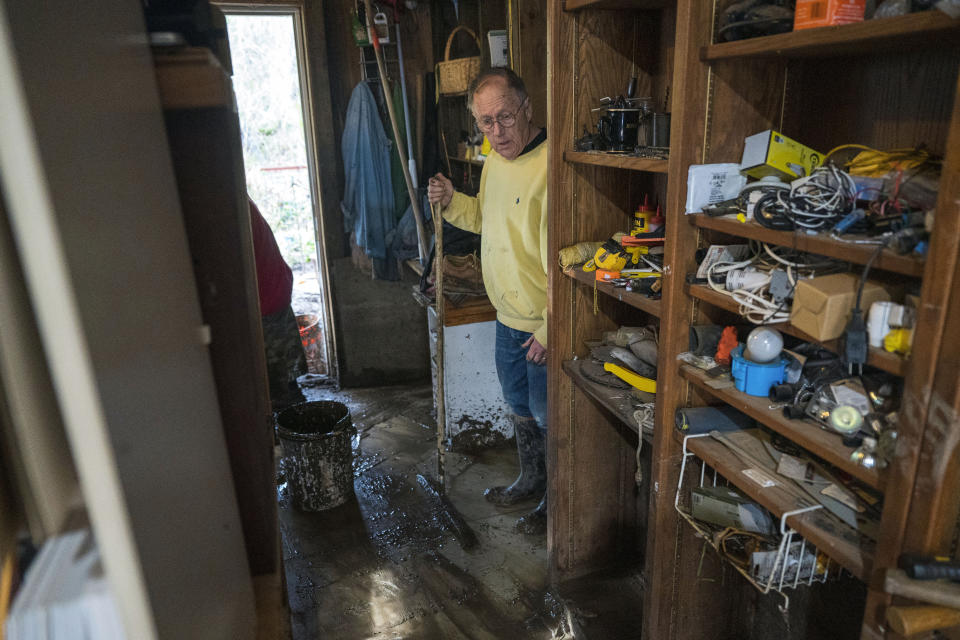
{"type": "Point", "coordinates": [778, 563]}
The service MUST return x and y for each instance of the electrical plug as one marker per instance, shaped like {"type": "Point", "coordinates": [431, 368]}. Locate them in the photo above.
{"type": "Point", "coordinates": [855, 342]}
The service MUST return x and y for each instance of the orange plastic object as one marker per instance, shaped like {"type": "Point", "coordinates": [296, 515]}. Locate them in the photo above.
{"type": "Point", "coordinates": [827, 13]}
{"type": "Point", "coordinates": [728, 342]}
{"type": "Point", "coordinates": [603, 275]}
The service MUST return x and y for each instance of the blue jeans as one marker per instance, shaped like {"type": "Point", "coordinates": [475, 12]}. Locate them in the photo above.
{"type": "Point", "coordinates": [524, 384]}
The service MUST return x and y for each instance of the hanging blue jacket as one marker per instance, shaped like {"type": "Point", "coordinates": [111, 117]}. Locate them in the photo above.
{"type": "Point", "coordinates": [368, 203]}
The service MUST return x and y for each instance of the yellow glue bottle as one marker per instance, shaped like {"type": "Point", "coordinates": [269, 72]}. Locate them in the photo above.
{"type": "Point", "coordinates": [641, 217]}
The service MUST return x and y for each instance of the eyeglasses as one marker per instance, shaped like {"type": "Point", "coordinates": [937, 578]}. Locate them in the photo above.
{"type": "Point", "coordinates": [505, 121]}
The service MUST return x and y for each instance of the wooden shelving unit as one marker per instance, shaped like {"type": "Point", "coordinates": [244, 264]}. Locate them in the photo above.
{"type": "Point", "coordinates": [821, 244]}
{"type": "Point", "coordinates": [876, 357]}
{"type": "Point", "coordinates": [597, 512]}
{"type": "Point", "coordinates": [720, 94]}
{"type": "Point", "coordinates": [821, 443]}
{"type": "Point", "coordinates": [637, 300]}
{"type": "Point", "coordinates": [916, 30]}
{"type": "Point", "coordinates": [840, 542]}
{"type": "Point", "coordinates": [618, 161]}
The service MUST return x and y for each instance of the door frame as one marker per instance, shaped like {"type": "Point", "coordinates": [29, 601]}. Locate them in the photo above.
{"type": "Point", "coordinates": [296, 9]}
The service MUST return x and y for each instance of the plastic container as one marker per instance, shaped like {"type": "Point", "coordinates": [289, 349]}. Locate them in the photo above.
{"type": "Point", "coordinates": [315, 440]}
{"type": "Point", "coordinates": [756, 379]}
{"type": "Point", "coordinates": [310, 338]}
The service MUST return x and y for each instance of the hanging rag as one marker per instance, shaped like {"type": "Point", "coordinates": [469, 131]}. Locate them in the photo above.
{"type": "Point", "coordinates": [368, 198]}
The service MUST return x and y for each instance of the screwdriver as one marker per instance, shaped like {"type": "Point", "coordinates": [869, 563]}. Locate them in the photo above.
{"type": "Point", "coordinates": [927, 567]}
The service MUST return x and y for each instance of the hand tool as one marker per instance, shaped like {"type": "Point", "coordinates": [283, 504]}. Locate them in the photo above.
{"type": "Point", "coordinates": [910, 621]}
{"type": "Point", "coordinates": [929, 567]}
{"type": "Point", "coordinates": [637, 381]}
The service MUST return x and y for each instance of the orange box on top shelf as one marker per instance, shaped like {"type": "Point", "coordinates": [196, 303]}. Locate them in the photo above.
{"type": "Point", "coordinates": [826, 13]}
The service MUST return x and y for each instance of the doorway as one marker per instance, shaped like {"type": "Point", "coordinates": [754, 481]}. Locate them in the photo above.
{"type": "Point", "coordinates": [267, 48]}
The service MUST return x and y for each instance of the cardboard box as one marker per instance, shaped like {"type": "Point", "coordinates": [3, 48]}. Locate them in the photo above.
{"type": "Point", "coordinates": [826, 13]}
{"type": "Point", "coordinates": [770, 153]}
{"type": "Point", "coordinates": [822, 306]}
{"type": "Point", "coordinates": [725, 507]}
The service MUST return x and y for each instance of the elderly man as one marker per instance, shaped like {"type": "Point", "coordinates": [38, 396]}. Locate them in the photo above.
{"type": "Point", "coordinates": [510, 213]}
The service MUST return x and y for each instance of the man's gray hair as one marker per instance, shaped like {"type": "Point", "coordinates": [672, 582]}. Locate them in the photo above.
{"type": "Point", "coordinates": [507, 75]}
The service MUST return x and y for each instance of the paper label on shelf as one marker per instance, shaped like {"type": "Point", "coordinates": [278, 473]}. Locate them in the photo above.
{"type": "Point", "coordinates": [795, 468]}
{"type": "Point", "coordinates": [761, 477]}
{"type": "Point", "coordinates": [842, 495]}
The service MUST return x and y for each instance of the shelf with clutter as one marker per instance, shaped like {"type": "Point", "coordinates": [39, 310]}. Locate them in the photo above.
{"type": "Point", "coordinates": [781, 519]}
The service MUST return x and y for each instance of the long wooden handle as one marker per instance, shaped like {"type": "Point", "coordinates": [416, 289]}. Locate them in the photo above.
{"type": "Point", "coordinates": [441, 319]}
{"type": "Point", "coordinates": [911, 620]}
{"type": "Point", "coordinates": [946, 594]}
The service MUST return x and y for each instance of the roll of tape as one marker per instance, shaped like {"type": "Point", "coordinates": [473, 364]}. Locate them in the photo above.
{"type": "Point", "coordinates": [846, 420]}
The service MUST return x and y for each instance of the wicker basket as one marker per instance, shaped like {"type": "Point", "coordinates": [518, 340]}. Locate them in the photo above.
{"type": "Point", "coordinates": [454, 76]}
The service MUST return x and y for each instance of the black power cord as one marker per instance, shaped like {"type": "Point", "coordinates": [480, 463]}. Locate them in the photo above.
{"type": "Point", "coordinates": [854, 347]}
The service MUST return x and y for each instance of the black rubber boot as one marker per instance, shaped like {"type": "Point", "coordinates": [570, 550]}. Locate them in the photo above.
{"type": "Point", "coordinates": [532, 482]}
{"type": "Point", "coordinates": [535, 522]}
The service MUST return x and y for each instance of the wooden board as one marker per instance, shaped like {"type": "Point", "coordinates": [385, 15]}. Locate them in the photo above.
{"type": "Point", "coordinates": [814, 439]}
{"type": "Point", "coordinates": [928, 29]}
{"type": "Point", "coordinates": [594, 517]}
{"type": "Point", "coordinates": [530, 50]}
{"type": "Point", "coordinates": [192, 78]}
{"type": "Point", "coordinates": [876, 357]}
{"type": "Point", "coordinates": [207, 161]}
{"type": "Point", "coordinates": [637, 300]}
{"type": "Point", "coordinates": [576, 5]}
{"type": "Point", "coordinates": [472, 309]}
{"type": "Point", "coordinates": [875, 101]}
{"type": "Point", "coordinates": [616, 401]}
{"type": "Point", "coordinates": [821, 244]}
{"type": "Point", "coordinates": [619, 161]}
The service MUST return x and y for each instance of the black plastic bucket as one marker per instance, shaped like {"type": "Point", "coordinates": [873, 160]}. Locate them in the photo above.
{"type": "Point", "coordinates": [315, 439]}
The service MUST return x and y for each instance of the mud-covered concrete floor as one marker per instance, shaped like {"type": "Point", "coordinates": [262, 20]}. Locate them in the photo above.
{"type": "Point", "coordinates": [384, 566]}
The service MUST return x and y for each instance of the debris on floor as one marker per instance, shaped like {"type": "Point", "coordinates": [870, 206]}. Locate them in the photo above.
{"type": "Point", "coordinates": [386, 565]}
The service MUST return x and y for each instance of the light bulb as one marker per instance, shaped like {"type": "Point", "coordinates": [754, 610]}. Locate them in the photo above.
{"type": "Point", "coordinates": [763, 345]}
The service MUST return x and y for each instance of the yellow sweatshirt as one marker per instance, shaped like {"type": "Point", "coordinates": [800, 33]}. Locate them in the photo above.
{"type": "Point", "coordinates": [510, 213]}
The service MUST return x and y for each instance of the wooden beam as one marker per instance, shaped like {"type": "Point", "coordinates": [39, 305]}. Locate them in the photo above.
{"type": "Point", "coordinates": [915, 436]}
{"type": "Point", "coordinates": [689, 108]}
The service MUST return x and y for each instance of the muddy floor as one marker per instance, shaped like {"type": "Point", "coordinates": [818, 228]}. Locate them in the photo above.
{"type": "Point", "coordinates": [385, 565]}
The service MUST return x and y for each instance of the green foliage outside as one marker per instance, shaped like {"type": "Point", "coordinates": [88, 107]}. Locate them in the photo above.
{"type": "Point", "coordinates": [267, 85]}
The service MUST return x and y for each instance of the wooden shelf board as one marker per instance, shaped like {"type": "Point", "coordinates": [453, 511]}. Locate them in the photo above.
{"type": "Point", "coordinates": [617, 161]}
{"type": "Point", "coordinates": [472, 309]}
{"type": "Point", "coordinates": [841, 543]}
{"type": "Point", "coordinates": [636, 300]}
{"type": "Point", "coordinates": [826, 445]}
{"type": "Point", "coordinates": [616, 401]}
{"type": "Point", "coordinates": [192, 78]}
{"type": "Point", "coordinates": [576, 5]}
{"type": "Point", "coordinates": [820, 244]}
{"type": "Point", "coordinates": [918, 30]}
{"type": "Point", "coordinates": [876, 357]}
{"type": "Point", "coordinates": [475, 163]}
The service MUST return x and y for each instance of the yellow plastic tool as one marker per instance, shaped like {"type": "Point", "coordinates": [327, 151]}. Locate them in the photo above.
{"type": "Point", "coordinates": [644, 384]}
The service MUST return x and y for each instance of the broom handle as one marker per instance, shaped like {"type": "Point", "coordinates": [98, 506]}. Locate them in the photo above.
{"type": "Point", "coordinates": [388, 95]}
{"type": "Point", "coordinates": [438, 297]}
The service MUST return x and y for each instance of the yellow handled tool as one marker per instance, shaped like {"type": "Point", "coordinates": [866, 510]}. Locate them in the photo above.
{"type": "Point", "coordinates": [638, 381]}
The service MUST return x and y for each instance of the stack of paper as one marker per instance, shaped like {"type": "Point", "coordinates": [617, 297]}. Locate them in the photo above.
{"type": "Point", "coordinates": [65, 595]}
